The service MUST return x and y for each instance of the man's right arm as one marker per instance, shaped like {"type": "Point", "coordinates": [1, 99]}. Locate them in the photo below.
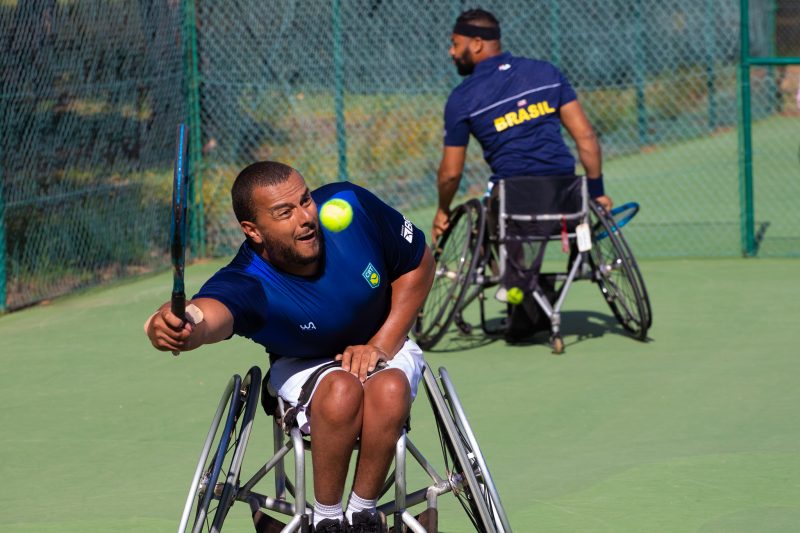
{"type": "Point", "coordinates": [447, 180]}
{"type": "Point", "coordinates": [169, 333]}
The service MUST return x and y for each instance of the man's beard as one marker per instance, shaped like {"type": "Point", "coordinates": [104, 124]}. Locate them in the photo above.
{"type": "Point", "coordinates": [464, 64]}
{"type": "Point", "coordinates": [284, 254]}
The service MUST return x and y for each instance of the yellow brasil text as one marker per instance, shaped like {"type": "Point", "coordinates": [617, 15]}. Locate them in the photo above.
{"type": "Point", "coordinates": [523, 114]}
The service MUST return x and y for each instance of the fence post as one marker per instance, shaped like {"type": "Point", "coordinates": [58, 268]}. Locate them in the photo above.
{"type": "Point", "coordinates": [197, 223]}
{"type": "Point", "coordinates": [711, 56]}
{"type": "Point", "coordinates": [338, 77]}
{"type": "Point", "coordinates": [639, 73]}
{"type": "Point", "coordinates": [555, 36]}
{"type": "Point", "coordinates": [3, 289]}
{"type": "Point", "coordinates": [747, 225]}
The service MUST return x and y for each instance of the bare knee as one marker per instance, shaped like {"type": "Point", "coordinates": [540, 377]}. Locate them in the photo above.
{"type": "Point", "coordinates": [389, 393]}
{"type": "Point", "coordinates": [338, 399]}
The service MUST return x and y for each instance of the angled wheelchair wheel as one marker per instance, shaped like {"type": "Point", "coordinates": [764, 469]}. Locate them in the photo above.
{"type": "Point", "coordinates": [466, 467]}
{"type": "Point", "coordinates": [217, 472]}
{"type": "Point", "coordinates": [637, 276]}
{"type": "Point", "coordinates": [249, 399]}
{"type": "Point", "coordinates": [456, 254]}
{"type": "Point", "coordinates": [618, 275]}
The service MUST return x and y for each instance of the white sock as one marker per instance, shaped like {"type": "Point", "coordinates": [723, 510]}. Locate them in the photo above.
{"type": "Point", "coordinates": [321, 512]}
{"type": "Point", "coordinates": [358, 504]}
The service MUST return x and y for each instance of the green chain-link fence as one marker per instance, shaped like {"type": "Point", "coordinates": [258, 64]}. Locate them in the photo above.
{"type": "Point", "coordinates": [354, 89]}
{"type": "Point", "coordinates": [91, 94]}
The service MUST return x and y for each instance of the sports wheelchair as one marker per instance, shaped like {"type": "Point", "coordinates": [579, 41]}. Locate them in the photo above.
{"type": "Point", "coordinates": [507, 231]}
{"type": "Point", "coordinates": [218, 483]}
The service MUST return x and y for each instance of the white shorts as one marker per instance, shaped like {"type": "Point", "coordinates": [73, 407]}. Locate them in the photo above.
{"type": "Point", "coordinates": [287, 376]}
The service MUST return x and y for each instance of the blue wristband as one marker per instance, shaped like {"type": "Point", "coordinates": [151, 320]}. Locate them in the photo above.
{"type": "Point", "coordinates": [595, 186]}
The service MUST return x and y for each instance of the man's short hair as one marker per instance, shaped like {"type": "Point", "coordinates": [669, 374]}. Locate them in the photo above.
{"type": "Point", "coordinates": [478, 17]}
{"type": "Point", "coordinates": [261, 174]}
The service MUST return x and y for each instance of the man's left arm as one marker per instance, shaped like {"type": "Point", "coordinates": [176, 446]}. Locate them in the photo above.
{"type": "Point", "coordinates": [408, 294]}
{"type": "Point", "coordinates": [589, 153]}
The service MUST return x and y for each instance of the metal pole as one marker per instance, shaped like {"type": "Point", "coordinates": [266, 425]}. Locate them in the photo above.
{"type": "Point", "coordinates": [746, 218]}
{"type": "Point", "coordinates": [772, 84]}
{"type": "Point", "coordinates": [711, 57]}
{"type": "Point", "coordinates": [3, 290]}
{"type": "Point", "coordinates": [639, 73]}
{"type": "Point", "coordinates": [338, 77]}
{"type": "Point", "coordinates": [197, 223]}
{"type": "Point", "coordinates": [555, 37]}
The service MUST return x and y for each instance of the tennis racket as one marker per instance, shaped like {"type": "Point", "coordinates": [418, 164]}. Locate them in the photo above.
{"type": "Point", "coordinates": [620, 216]}
{"type": "Point", "coordinates": [178, 225]}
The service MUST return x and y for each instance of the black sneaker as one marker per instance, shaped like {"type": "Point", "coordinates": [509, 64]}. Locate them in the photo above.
{"type": "Point", "coordinates": [330, 525]}
{"type": "Point", "coordinates": [366, 522]}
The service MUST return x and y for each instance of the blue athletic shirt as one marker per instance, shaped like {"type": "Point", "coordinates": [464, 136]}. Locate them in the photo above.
{"type": "Point", "coordinates": [511, 105]}
{"type": "Point", "coordinates": [343, 305]}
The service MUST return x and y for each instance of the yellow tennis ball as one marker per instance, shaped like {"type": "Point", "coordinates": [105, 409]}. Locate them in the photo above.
{"type": "Point", "coordinates": [336, 214]}
{"type": "Point", "coordinates": [514, 295]}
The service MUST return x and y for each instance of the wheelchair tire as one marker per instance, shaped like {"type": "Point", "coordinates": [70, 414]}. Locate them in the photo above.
{"type": "Point", "coordinates": [466, 467]}
{"type": "Point", "coordinates": [249, 398]}
{"type": "Point", "coordinates": [455, 254]}
{"type": "Point", "coordinates": [224, 438]}
{"type": "Point", "coordinates": [637, 275]}
{"type": "Point", "coordinates": [618, 276]}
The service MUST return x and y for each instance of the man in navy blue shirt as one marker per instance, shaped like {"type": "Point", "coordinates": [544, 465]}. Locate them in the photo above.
{"type": "Point", "coordinates": [310, 296]}
{"type": "Point", "coordinates": [515, 108]}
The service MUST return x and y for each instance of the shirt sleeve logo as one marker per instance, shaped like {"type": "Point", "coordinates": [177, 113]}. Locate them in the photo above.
{"type": "Point", "coordinates": [372, 276]}
{"type": "Point", "coordinates": [407, 230]}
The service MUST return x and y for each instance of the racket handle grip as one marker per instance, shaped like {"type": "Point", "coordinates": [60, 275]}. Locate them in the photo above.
{"type": "Point", "coordinates": [178, 305]}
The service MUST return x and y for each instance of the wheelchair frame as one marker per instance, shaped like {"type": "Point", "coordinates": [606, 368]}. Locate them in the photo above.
{"type": "Point", "coordinates": [224, 448]}
{"type": "Point", "coordinates": [469, 261]}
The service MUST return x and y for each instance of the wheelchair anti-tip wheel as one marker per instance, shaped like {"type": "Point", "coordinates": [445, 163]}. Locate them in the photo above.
{"type": "Point", "coordinates": [464, 462]}
{"type": "Point", "coordinates": [618, 275]}
{"type": "Point", "coordinates": [216, 477]}
{"type": "Point", "coordinates": [456, 254]}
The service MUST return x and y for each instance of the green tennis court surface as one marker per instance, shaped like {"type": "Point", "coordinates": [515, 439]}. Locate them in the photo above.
{"type": "Point", "coordinates": [695, 430]}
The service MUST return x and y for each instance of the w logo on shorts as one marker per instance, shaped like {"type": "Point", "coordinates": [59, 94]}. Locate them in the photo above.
{"type": "Point", "coordinates": [372, 276]}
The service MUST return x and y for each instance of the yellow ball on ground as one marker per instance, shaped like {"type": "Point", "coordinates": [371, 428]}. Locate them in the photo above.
{"type": "Point", "coordinates": [514, 296]}
{"type": "Point", "coordinates": [336, 214]}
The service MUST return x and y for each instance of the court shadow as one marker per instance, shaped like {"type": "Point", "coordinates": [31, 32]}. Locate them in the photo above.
{"type": "Point", "coordinates": [576, 326]}
{"type": "Point", "coordinates": [586, 325]}
{"type": "Point", "coordinates": [456, 340]}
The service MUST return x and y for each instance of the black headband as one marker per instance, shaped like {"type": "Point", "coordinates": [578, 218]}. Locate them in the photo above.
{"type": "Point", "coordinates": [468, 30]}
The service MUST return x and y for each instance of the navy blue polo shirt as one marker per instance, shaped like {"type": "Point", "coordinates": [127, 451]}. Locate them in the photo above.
{"type": "Point", "coordinates": [345, 304]}
{"type": "Point", "coordinates": [511, 105]}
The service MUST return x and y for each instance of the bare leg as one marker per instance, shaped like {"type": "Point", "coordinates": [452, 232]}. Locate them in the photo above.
{"type": "Point", "coordinates": [387, 404]}
{"type": "Point", "coordinates": [336, 418]}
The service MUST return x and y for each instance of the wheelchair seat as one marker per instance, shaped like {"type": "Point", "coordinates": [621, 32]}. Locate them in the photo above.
{"type": "Point", "coordinates": [529, 212]}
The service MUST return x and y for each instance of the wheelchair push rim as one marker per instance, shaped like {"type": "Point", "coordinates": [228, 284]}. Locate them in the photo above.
{"type": "Point", "coordinates": [456, 256]}
{"type": "Point", "coordinates": [618, 276]}
{"type": "Point", "coordinates": [473, 486]}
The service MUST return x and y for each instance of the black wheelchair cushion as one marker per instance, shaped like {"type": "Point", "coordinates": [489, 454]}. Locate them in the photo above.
{"type": "Point", "coordinates": [540, 195]}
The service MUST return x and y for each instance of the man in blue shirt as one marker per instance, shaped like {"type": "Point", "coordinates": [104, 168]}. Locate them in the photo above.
{"type": "Point", "coordinates": [515, 108]}
{"type": "Point", "coordinates": [311, 296]}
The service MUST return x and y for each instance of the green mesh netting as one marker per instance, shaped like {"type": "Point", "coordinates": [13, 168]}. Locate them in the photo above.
{"type": "Point", "coordinates": [354, 89]}
{"type": "Point", "coordinates": [92, 93]}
